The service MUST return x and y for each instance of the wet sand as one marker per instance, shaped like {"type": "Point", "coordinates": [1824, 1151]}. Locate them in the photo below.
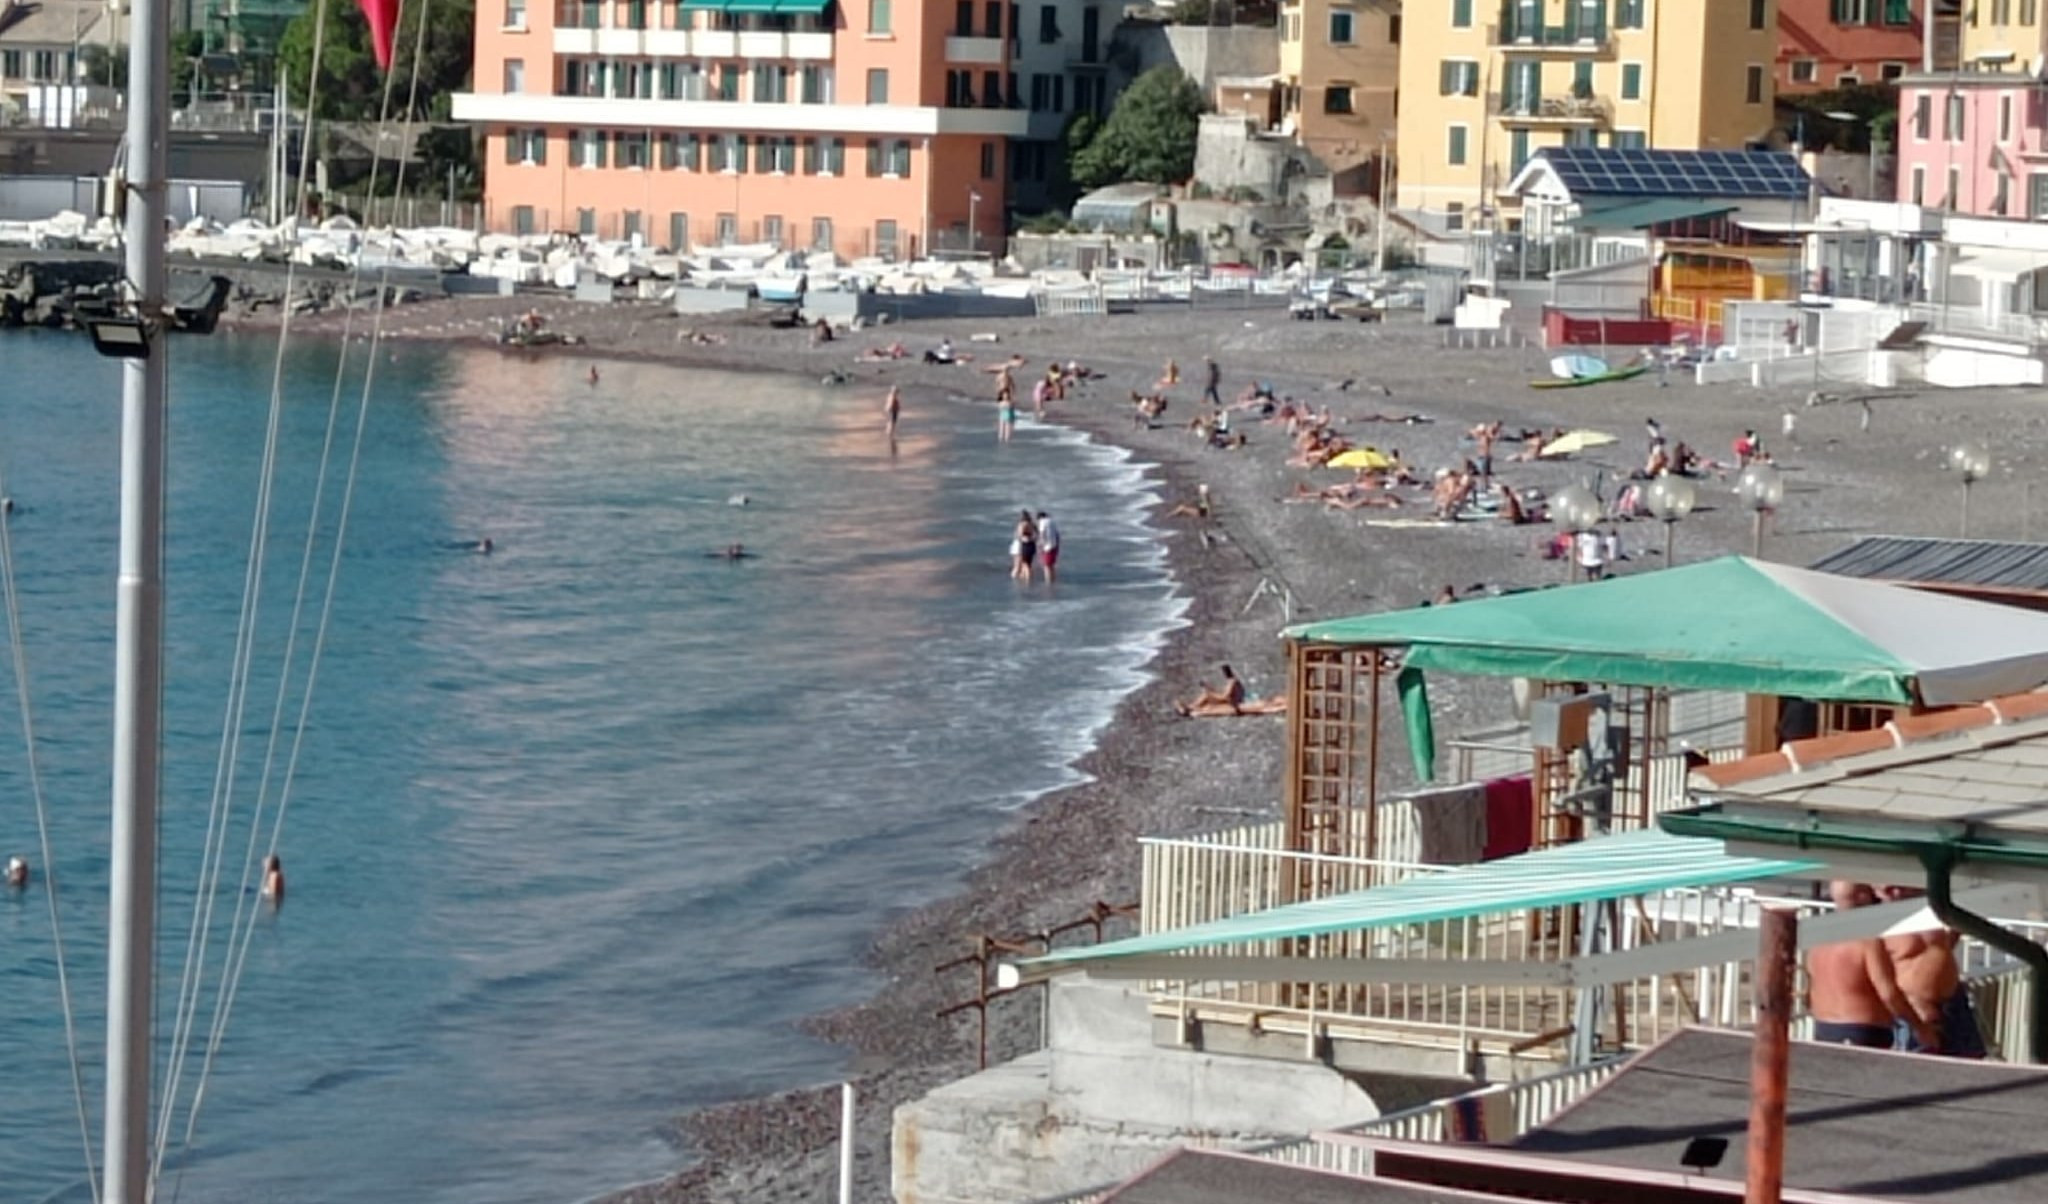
{"type": "Point", "coordinates": [1155, 773]}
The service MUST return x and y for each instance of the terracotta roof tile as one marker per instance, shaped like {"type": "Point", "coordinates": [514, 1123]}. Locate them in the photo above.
{"type": "Point", "coordinates": [2015, 707]}
{"type": "Point", "coordinates": [1748, 769]}
{"type": "Point", "coordinates": [1912, 729]}
{"type": "Point", "coordinates": [1803, 755]}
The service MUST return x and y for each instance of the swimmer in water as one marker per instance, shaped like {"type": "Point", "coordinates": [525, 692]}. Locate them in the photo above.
{"type": "Point", "coordinates": [273, 879]}
{"type": "Point", "coordinates": [593, 374]}
{"type": "Point", "coordinates": [731, 551]}
{"type": "Point", "coordinates": [17, 873]}
{"type": "Point", "coordinates": [485, 545]}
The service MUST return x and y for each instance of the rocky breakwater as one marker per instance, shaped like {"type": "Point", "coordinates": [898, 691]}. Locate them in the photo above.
{"type": "Point", "coordinates": [61, 294]}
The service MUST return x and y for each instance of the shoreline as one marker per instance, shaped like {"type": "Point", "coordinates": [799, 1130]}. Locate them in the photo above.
{"type": "Point", "coordinates": [1150, 772]}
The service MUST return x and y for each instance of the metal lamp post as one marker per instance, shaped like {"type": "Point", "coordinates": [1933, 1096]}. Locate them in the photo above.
{"type": "Point", "coordinates": [1575, 510]}
{"type": "Point", "coordinates": [1971, 462]}
{"type": "Point", "coordinates": [1670, 499]}
{"type": "Point", "coordinates": [1869, 150]}
{"type": "Point", "coordinates": [1761, 488]}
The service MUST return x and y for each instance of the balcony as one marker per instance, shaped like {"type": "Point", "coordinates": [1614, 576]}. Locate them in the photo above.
{"type": "Point", "coordinates": [802, 45]}
{"type": "Point", "coordinates": [1552, 110]}
{"type": "Point", "coordinates": [1556, 40]}
{"type": "Point", "coordinates": [985, 51]}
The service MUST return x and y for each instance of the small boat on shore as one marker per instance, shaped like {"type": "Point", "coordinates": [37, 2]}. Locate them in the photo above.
{"type": "Point", "coordinates": [1612, 374]}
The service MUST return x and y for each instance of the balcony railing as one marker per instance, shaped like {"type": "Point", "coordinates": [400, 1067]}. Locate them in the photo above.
{"type": "Point", "coordinates": [1552, 110]}
{"type": "Point", "coordinates": [1554, 39]}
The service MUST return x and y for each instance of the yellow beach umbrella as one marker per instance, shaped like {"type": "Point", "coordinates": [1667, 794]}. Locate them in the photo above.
{"type": "Point", "coordinates": [1371, 459]}
{"type": "Point", "coordinates": [1573, 442]}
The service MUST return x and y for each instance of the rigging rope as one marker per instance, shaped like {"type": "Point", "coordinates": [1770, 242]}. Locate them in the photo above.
{"type": "Point", "coordinates": [238, 949]}
{"type": "Point", "coordinates": [214, 848]}
{"type": "Point", "coordinates": [35, 784]}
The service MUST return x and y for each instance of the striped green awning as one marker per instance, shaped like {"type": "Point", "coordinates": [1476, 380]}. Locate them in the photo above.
{"type": "Point", "coordinates": [1606, 867]}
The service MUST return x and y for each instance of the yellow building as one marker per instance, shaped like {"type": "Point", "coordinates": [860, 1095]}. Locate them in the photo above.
{"type": "Point", "coordinates": [2003, 35]}
{"type": "Point", "coordinates": [1485, 83]}
{"type": "Point", "coordinates": [1340, 65]}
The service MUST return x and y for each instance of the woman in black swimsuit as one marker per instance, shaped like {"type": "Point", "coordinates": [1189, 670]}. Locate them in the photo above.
{"type": "Point", "coordinates": [1024, 547]}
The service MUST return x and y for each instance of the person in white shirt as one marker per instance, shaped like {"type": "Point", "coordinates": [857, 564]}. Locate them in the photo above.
{"type": "Point", "coordinates": [1048, 546]}
{"type": "Point", "coordinates": [1592, 554]}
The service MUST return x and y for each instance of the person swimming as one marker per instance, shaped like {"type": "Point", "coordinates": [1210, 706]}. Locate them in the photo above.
{"type": "Point", "coordinates": [273, 879]}
{"type": "Point", "coordinates": [17, 873]}
{"type": "Point", "coordinates": [731, 551]}
{"type": "Point", "coordinates": [485, 545]}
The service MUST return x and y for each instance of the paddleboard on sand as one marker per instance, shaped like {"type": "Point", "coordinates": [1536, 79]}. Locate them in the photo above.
{"type": "Point", "coordinates": [1575, 366]}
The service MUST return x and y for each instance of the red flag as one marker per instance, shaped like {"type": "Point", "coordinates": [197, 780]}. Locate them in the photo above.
{"type": "Point", "coordinates": [383, 18]}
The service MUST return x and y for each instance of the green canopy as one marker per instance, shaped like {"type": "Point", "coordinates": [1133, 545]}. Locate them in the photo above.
{"type": "Point", "coordinates": [1733, 624]}
{"type": "Point", "coordinates": [1607, 867]}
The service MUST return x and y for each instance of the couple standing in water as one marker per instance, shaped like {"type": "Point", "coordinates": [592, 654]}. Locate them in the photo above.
{"type": "Point", "coordinates": [1036, 539]}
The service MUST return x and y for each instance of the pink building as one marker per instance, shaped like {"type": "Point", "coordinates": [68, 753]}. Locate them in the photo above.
{"type": "Point", "coordinates": [1973, 143]}
{"type": "Point", "coordinates": [863, 127]}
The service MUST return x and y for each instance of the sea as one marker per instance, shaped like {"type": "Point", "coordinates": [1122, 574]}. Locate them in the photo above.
{"type": "Point", "coordinates": [580, 828]}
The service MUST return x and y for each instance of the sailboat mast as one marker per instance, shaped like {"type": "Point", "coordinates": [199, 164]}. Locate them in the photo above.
{"type": "Point", "coordinates": [138, 687]}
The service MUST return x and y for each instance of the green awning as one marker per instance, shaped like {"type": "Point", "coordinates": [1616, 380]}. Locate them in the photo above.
{"type": "Point", "coordinates": [748, 7]}
{"type": "Point", "coordinates": [1608, 867]}
{"type": "Point", "coordinates": [801, 8]}
{"type": "Point", "coordinates": [1733, 624]}
{"type": "Point", "coordinates": [1641, 215]}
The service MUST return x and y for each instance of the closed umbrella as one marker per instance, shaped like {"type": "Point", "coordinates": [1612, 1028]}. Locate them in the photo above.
{"type": "Point", "coordinates": [1573, 442]}
{"type": "Point", "coordinates": [1369, 458]}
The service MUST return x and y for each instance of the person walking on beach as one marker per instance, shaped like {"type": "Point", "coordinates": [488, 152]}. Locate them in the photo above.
{"type": "Point", "coordinates": [1006, 404]}
{"type": "Point", "coordinates": [1212, 378]}
{"type": "Point", "coordinates": [1048, 546]}
{"type": "Point", "coordinates": [1023, 546]}
{"type": "Point", "coordinates": [892, 409]}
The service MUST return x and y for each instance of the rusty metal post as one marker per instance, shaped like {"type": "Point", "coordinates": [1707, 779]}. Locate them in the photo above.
{"type": "Point", "coordinates": [1770, 1057]}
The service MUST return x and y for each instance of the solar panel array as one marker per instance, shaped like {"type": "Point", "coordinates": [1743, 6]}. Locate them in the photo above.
{"type": "Point", "coordinates": [1607, 171]}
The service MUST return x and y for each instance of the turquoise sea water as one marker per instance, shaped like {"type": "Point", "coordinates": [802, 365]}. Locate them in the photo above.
{"type": "Point", "coordinates": [581, 827]}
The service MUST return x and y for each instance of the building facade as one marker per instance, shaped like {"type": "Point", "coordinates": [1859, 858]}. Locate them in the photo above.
{"type": "Point", "coordinates": [862, 127]}
{"type": "Point", "coordinates": [1484, 85]}
{"type": "Point", "coordinates": [2002, 35]}
{"type": "Point", "coordinates": [1972, 142]}
{"type": "Point", "coordinates": [1340, 76]}
{"type": "Point", "coordinates": [1824, 44]}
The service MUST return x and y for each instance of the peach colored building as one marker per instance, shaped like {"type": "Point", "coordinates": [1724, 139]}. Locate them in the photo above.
{"type": "Point", "coordinates": [864, 127]}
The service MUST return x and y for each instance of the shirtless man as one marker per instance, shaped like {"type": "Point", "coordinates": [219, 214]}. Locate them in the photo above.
{"type": "Point", "coordinates": [1852, 987]}
{"type": "Point", "coordinates": [273, 879]}
{"type": "Point", "coordinates": [892, 409]}
{"type": "Point", "coordinates": [1938, 1017]}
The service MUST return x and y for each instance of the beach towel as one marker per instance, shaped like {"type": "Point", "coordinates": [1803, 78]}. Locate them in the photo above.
{"type": "Point", "coordinates": [1451, 821]}
{"type": "Point", "coordinates": [1510, 817]}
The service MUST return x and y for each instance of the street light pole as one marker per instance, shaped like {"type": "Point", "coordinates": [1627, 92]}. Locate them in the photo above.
{"type": "Point", "coordinates": [973, 230]}
{"type": "Point", "coordinates": [1973, 463]}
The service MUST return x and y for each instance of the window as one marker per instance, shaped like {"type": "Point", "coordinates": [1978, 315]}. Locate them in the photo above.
{"type": "Point", "coordinates": [726, 152]}
{"type": "Point", "coordinates": [1919, 185]}
{"type": "Point", "coordinates": [728, 81]}
{"type": "Point", "coordinates": [963, 19]}
{"type": "Point", "coordinates": [1900, 12]}
{"type": "Point", "coordinates": [1923, 117]}
{"type": "Point", "coordinates": [1628, 14]}
{"type": "Point", "coordinates": [635, 14]}
{"type": "Point", "coordinates": [1758, 11]}
{"type": "Point", "coordinates": [522, 219]}
{"type": "Point", "coordinates": [2001, 12]}
{"type": "Point", "coordinates": [1890, 71]}
{"type": "Point", "coordinates": [1523, 89]}
{"type": "Point", "coordinates": [992, 19]}
{"type": "Point", "coordinates": [1048, 23]}
{"type": "Point", "coordinates": [775, 156]}
{"type": "Point", "coordinates": [1394, 29]}
{"type": "Point", "coordinates": [878, 16]}
{"type": "Point", "coordinates": [1587, 20]}
{"type": "Point", "coordinates": [885, 239]}
{"type": "Point", "coordinates": [589, 148]}
{"type": "Point", "coordinates": [771, 230]}
{"type": "Point", "coordinates": [1953, 198]}
{"type": "Point", "coordinates": [992, 89]}
{"type": "Point", "coordinates": [817, 85]}
{"type": "Point", "coordinates": [2001, 194]}
{"type": "Point", "coordinates": [899, 158]}
{"type": "Point", "coordinates": [833, 152]}
{"type": "Point", "coordinates": [515, 14]}
{"type": "Point", "coordinates": [875, 156]}
{"type": "Point", "coordinates": [1582, 80]}
{"type": "Point", "coordinates": [2037, 195]}
{"type": "Point", "coordinates": [633, 150]}
{"type": "Point", "coordinates": [1091, 34]}
{"type": "Point", "coordinates": [2030, 12]}
{"type": "Point", "coordinates": [771, 83]}
{"type": "Point", "coordinates": [1630, 140]}
{"type": "Point", "coordinates": [1059, 93]}
{"type": "Point", "coordinates": [1337, 98]}
{"type": "Point", "coordinates": [679, 233]}
{"type": "Point", "coordinates": [1461, 14]}
{"type": "Point", "coordinates": [2005, 119]}
{"type": "Point", "coordinates": [1952, 118]}
{"type": "Point", "coordinates": [586, 221]}
{"type": "Point", "coordinates": [988, 160]}
{"type": "Point", "coordinates": [1805, 71]}
{"type": "Point", "coordinates": [630, 225]}
{"type": "Point", "coordinates": [10, 64]}
{"type": "Point", "coordinates": [878, 85]}
{"type": "Point", "coordinates": [1458, 77]}
{"type": "Point", "coordinates": [1848, 79]}
{"type": "Point", "coordinates": [1343, 26]}
{"type": "Point", "coordinates": [527, 146]}
{"type": "Point", "coordinates": [1753, 85]}
{"type": "Point", "coordinates": [728, 229]}
{"type": "Point", "coordinates": [1631, 81]}
{"type": "Point", "coordinates": [1454, 152]}
{"type": "Point", "coordinates": [1518, 150]}
{"type": "Point", "coordinates": [821, 234]}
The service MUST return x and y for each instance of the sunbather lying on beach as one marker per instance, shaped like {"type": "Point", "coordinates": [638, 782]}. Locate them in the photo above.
{"type": "Point", "coordinates": [1224, 700]}
{"type": "Point", "coordinates": [1255, 706]}
{"type": "Point", "coordinates": [880, 355]}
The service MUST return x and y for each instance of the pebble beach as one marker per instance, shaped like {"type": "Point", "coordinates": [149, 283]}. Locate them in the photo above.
{"type": "Point", "coordinates": [1856, 462]}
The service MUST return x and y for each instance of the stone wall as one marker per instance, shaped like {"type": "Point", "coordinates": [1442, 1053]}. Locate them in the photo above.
{"type": "Point", "coordinates": [1204, 52]}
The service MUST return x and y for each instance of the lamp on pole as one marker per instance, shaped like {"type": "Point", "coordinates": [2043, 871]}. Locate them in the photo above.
{"type": "Point", "coordinates": [1869, 149]}
{"type": "Point", "coordinates": [973, 231]}
{"type": "Point", "coordinates": [1971, 462]}
{"type": "Point", "coordinates": [1575, 511]}
{"type": "Point", "coordinates": [1670, 499]}
{"type": "Point", "coordinates": [1761, 489]}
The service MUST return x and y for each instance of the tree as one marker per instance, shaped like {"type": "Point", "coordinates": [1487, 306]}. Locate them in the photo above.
{"type": "Point", "coordinates": [350, 87]}
{"type": "Point", "coordinates": [1149, 135]}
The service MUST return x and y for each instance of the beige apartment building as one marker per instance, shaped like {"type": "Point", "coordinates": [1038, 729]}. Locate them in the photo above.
{"type": "Point", "coordinates": [1340, 67]}
{"type": "Point", "coordinates": [1486, 83]}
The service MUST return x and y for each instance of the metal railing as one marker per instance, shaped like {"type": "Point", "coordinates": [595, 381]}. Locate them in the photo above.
{"type": "Point", "coordinates": [2031, 329]}
{"type": "Point", "coordinates": [1512, 34]}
